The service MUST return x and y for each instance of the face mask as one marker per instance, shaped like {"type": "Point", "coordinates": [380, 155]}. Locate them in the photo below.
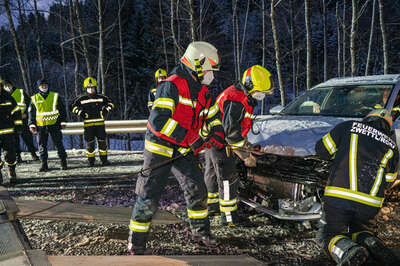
{"type": "Point", "coordinates": [8, 89]}
{"type": "Point", "coordinates": [208, 78]}
{"type": "Point", "coordinates": [259, 96]}
{"type": "Point", "coordinates": [44, 89]}
{"type": "Point", "coordinates": [91, 90]}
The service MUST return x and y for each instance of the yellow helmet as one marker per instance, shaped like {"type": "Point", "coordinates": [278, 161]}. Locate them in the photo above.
{"type": "Point", "coordinates": [380, 113]}
{"type": "Point", "coordinates": [90, 81]}
{"type": "Point", "coordinates": [201, 56]}
{"type": "Point", "coordinates": [257, 78]}
{"type": "Point", "coordinates": [160, 73]}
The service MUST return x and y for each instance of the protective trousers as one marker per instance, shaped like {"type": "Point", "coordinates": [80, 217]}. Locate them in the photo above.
{"type": "Point", "coordinates": [89, 134]}
{"type": "Point", "coordinates": [56, 135]}
{"type": "Point", "coordinates": [149, 188]}
{"type": "Point", "coordinates": [338, 230]}
{"type": "Point", "coordinates": [26, 137]}
{"type": "Point", "coordinates": [222, 180]}
{"type": "Point", "coordinates": [7, 143]}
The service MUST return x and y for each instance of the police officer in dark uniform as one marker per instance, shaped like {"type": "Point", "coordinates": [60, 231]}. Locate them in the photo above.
{"type": "Point", "coordinates": [159, 76]}
{"type": "Point", "coordinates": [21, 126]}
{"type": "Point", "coordinates": [365, 161]}
{"type": "Point", "coordinates": [93, 108]}
{"type": "Point", "coordinates": [46, 113]}
{"type": "Point", "coordinates": [183, 105]}
{"type": "Point", "coordinates": [222, 172]}
{"type": "Point", "coordinates": [9, 113]}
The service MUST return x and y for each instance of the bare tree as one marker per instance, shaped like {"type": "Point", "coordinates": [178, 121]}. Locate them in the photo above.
{"type": "Point", "coordinates": [353, 36]}
{"type": "Point", "coordinates": [83, 38]}
{"type": "Point", "coordinates": [192, 22]}
{"type": "Point", "coordinates": [17, 46]}
{"type": "Point", "coordinates": [244, 30]}
{"type": "Point", "coordinates": [177, 47]}
{"type": "Point", "coordinates": [277, 52]}
{"type": "Point", "coordinates": [371, 36]}
{"type": "Point", "coordinates": [339, 41]}
{"type": "Point", "coordinates": [384, 39]}
{"type": "Point", "coordinates": [23, 47]}
{"type": "Point", "coordinates": [101, 46]}
{"type": "Point", "coordinates": [344, 32]}
{"type": "Point", "coordinates": [163, 33]}
{"type": "Point", "coordinates": [74, 50]}
{"type": "Point", "coordinates": [309, 43]}
{"type": "Point", "coordinates": [325, 40]}
{"type": "Point", "coordinates": [293, 52]}
{"type": "Point", "coordinates": [236, 44]}
{"type": "Point", "coordinates": [121, 50]}
{"type": "Point", "coordinates": [38, 38]}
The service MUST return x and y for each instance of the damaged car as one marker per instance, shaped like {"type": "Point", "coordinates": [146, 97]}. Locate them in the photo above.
{"type": "Point", "coordinates": [289, 179]}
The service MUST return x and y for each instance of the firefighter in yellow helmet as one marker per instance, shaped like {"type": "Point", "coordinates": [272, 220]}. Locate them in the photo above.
{"type": "Point", "coordinates": [93, 108]}
{"type": "Point", "coordinates": [159, 76]}
{"type": "Point", "coordinates": [46, 113]}
{"type": "Point", "coordinates": [365, 162]}
{"type": "Point", "coordinates": [222, 171]}
{"type": "Point", "coordinates": [9, 114]}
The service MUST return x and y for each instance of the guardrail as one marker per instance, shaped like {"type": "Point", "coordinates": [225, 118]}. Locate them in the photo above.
{"type": "Point", "coordinates": [112, 126]}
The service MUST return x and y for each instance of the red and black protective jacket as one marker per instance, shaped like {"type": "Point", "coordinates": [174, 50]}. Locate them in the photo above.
{"type": "Point", "coordinates": [237, 114]}
{"type": "Point", "coordinates": [182, 107]}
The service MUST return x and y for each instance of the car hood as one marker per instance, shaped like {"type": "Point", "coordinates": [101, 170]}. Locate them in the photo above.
{"type": "Point", "coordinates": [291, 135]}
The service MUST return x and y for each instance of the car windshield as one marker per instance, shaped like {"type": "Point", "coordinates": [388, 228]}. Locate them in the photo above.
{"type": "Point", "coordinates": [343, 101]}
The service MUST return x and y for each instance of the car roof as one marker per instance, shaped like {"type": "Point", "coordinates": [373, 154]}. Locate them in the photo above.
{"type": "Point", "coordinates": [361, 80]}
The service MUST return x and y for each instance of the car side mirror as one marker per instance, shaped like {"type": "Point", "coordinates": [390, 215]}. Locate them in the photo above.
{"type": "Point", "coordinates": [276, 109]}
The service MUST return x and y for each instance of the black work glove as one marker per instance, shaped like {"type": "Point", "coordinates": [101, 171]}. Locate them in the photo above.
{"type": "Point", "coordinates": [217, 140]}
{"type": "Point", "coordinates": [197, 145]}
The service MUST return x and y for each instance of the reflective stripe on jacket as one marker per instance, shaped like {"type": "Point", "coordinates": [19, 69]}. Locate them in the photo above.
{"type": "Point", "coordinates": [46, 109]}
{"type": "Point", "coordinates": [187, 113]}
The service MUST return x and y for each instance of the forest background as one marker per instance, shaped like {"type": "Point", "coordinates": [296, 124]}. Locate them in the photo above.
{"type": "Point", "coordinates": [123, 42]}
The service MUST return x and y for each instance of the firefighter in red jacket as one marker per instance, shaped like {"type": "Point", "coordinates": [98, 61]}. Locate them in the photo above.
{"type": "Point", "coordinates": [236, 105]}
{"type": "Point", "coordinates": [183, 105]}
{"type": "Point", "coordinates": [365, 160]}
{"type": "Point", "coordinates": [93, 108]}
{"type": "Point", "coordinates": [159, 76]}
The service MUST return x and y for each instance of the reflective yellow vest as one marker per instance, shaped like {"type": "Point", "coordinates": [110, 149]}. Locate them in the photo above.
{"type": "Point", "coordinates": [46, 109]}
{"type": "Point", "coordinates": [19, 97]}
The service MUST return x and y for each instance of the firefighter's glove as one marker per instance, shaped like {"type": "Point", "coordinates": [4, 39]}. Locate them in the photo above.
{"type": "Point", "coordinates": [217, 140]}
{"type": "Point", "coordinates": [197, 145]}
{"type": "Point", "coordinates": [18, 129]}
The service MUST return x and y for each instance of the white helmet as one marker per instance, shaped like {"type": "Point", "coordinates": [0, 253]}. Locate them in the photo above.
{"type": "Point", "coordinates": [201, 56]}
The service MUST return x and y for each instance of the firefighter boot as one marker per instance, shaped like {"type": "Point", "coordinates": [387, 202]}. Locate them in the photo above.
{"type": "Point", "coordinates": [1, 177]}
{"type": "Point", "coordinates": [91, 161]}
{"type": "Point", "coordinates": [347, 253]}
{"type": "Point", "coordinates": [44, 167]}
{"type": "Point", "coordinates": [233, 219]}
{"type": "Point", "coordinates": [104, 161]}
{"type": "Point", "coordinates": [379, 252]}
{"type": "Point", "coordinates": [19, 158]}
{"type": "Point", "coordinates": [139, 247]}
{"type": "Point", "coordinates": [64, 164]}
{"type": "Point", "coordinates": [12, 175]}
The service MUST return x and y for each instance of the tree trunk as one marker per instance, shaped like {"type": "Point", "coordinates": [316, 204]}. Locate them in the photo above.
{"type": "Point", "coordinates": [16, 45]}
{"type": "Point", "coordinates": [74, 50]}
{"type": "Point", "coordinates": [38, 39]}
{"type": "Point", "coordinates": [236, 44]}
{"type": "Point", "coordinates": [325, 40]}
{"type": "Point", "coordinates": [353, 36]}
{"type": "Point", "coordinates": [371, 37]}
{"type": "Point", "coordinates": [192, 22]}
{"type": "Point", "coordinates": [339, 41]}
{"type": "Point", "coordinates": [293, 52]}
{"type": "Point", "coordinates": [277, 52]}
{"type": "Point", "coordinates": [163, 34]}
{"type": "Point", "coordinates": [244, 30]}
{"type": "Point", "coordinates": [263, 44]}
{"type": "Point", "coordinates": [176, 45]}
{"type": "Point", "coordinates": [384, 39]}
{"type": "Point", "coordinates": [24, 50]}
{"type": "Point", "coordinates": [309, 43]}
{"type": "Point", "coordinates": [101, 47]}
{"type": "Point", "coordinates": [83, 38]}
{"type": "Point", "coordinates": [121, 50]}
{"type": "Point", "coordinates": [344, 31]}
